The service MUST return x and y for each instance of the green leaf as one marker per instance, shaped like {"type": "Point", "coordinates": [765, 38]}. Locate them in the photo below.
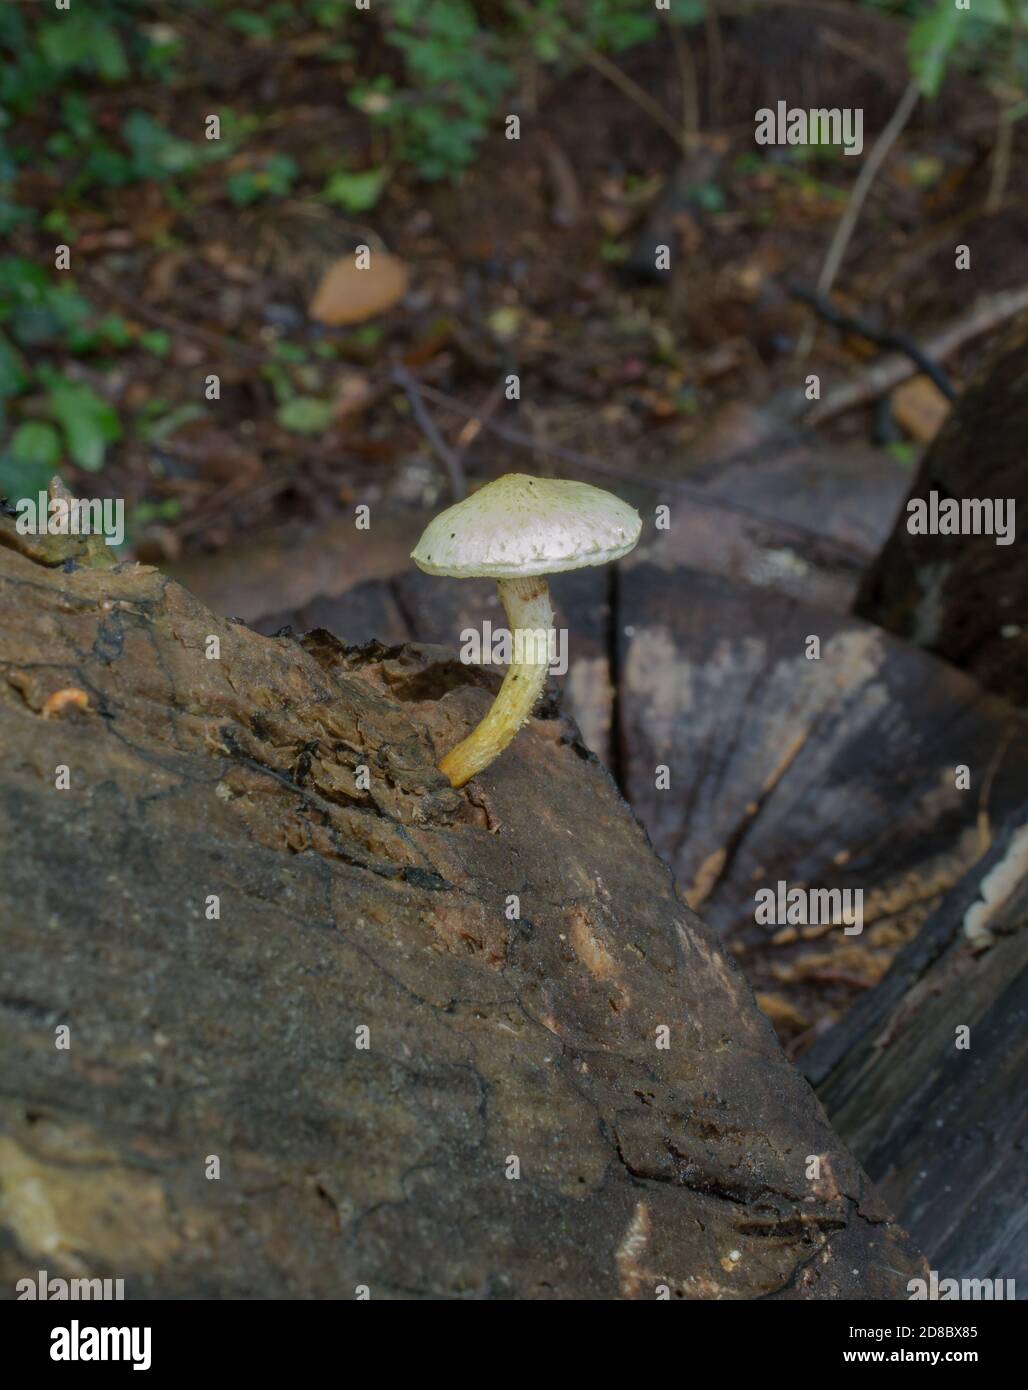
{"type": "Point", "coordinates": [13, 376]}
{"type": "Point", "coordinates": [88, 421]}
{"type": "Point", "coordinates": [994, 11]}
{"type": "Point", "coordinates": [81, 40]}
{"type": "Point", "coordinates": [305, 415]}
{"type": "Point", "coordinates": [108, 55]}
{"type": "Point", "coordinates": [159, 426]}
{"type": "Point", "coordinates": [21, 478]}
{"type": "Point", "coordinates": [709, 196]}
{"type": "Point", "coordinates": [113, 330]}
{"type": "Point", "coordinates": [21, 282]}
{"type": "Point", "coordinates": [147, 512]}
{"type": "Point", "coordinates": [156, 152]}
{"type": "Point", "coordinates": [36, 444]}
{"type": "Point", "coordinates": [39, 309]}
{"type": "Point", "coordinates": [273, 178]}
{"type": "Point", "coordinates": [76, 116]}
{"type": "Point", "coordinates": [930, 43]}
{"type": "Point", "coordinates": [903, 452]}
{"type": "Point", "coordinates": [284, 351]}
{"type": "Point", "coordinates": [356, 192]}
{"type": "Point", "coordinates": [253, 25]}
{"type": "Point", "coordinates": [156, 341]}
{"type": "Point", "coordinates": [12, 216]}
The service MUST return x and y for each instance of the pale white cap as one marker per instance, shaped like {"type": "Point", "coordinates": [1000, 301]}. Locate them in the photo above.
{"type": "Point", "coordinates": [518, 526]}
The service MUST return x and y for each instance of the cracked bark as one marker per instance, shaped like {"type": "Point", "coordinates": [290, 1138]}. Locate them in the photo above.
{"type": "Point", "coordinates": [385, 908]}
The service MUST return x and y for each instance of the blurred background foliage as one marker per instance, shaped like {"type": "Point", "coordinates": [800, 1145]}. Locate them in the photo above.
{"type": "Point", "coordinates": [430, 78]}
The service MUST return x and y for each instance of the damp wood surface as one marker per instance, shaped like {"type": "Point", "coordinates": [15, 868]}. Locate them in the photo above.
{"type": "Point", "coordinates": [492, 1038]}
{"type": "Point", "coordinates": [839, 772]}
{"type": "Point", "coordinates": [936, 1112]}
{"type": "Point", "coordinates": [966, 597]}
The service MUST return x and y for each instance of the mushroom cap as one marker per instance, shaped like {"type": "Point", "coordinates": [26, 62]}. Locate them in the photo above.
{"type": "Point", "coordinates": [518, 526]}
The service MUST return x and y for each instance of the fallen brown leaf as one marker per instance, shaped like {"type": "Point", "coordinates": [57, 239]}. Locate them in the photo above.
{"type": "Point", "coordinates": [347, 294]}
{"type": "Point", "coordinates": [919, 408]}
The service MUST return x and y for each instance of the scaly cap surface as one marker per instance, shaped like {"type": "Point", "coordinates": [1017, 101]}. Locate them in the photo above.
{"type": "Point", "coordinates": [518, 526]}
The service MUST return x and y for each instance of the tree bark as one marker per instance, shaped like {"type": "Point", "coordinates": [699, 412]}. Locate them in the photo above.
{"type": "Point", "coordinates": [867, 767]}
{"type": "Point", "coordinates": [216, 910]}
{"type": "Point", "coordinates": [964, 596]}
{"type": "Point", "coordinates": [937, 1117]}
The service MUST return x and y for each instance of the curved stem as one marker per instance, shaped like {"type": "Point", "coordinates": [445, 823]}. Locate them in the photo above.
{"type": "Point", "coordinates": [526, 603]}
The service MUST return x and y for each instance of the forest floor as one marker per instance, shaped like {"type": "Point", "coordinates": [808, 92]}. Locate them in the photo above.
{"type": "Point", "coordinates": [536, 262]}
{"type": "Point", "coordinates": [527, 264]}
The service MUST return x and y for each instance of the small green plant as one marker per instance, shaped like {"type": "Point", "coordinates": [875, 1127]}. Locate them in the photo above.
{"type": "Point", "coordinates": [66, 418]}
{"type": "Point", "coordinates": [453, 67]}
{"type": "Point", "coordinates": [356, 192]}
{"type": "Point", "coordinates": [270, 178]}
{"type": "Point", "coordinates": [941, 34]}
{"type": "Point", "coordinates": [457, 68]}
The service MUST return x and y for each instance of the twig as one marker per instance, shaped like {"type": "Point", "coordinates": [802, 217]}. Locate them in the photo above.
{"type": "Point", "coordinates": [848, 221]}
{"type": "Point", "coordinates": [687, 80]}
{"type": "Point", "coordinates": [1005, 131]}
{"type": "Point", "coordinates": [873, 62]}
{"type": "Point", "coordinates": [474, 425]}
{"type": "Point", "coordinates": [566, 201]}
{"type": "Point", "coordinates": [715, 61]}
{"type": "Point", "coordinates": [866, 177]}
{"type": "Point", "coordinates": [926, 243]}
{"type": "Point", "coordinates": [882, 337]}
{"type": "Point", "coordinates": [630, 89]}
{"type": "Point", "coordinates": [887, 372]}
{"type": "Point", "coordinates": [221, 341]}
{"type": "Point", "coordinates": [697, 495]}
{"type": "Point", "coordinates": [605, 68]}
{"type": "Point", "coordinates": [412, 389]}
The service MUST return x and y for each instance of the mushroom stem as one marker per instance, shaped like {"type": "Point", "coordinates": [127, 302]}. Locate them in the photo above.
{"type": "Point", "coordinates": [526, 603]}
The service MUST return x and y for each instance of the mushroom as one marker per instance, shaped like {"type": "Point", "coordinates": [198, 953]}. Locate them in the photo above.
{"type": "Point", "coordinates": [516, 530]}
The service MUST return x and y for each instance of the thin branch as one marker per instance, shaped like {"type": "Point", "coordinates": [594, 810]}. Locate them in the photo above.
{"type": "Point", "coordinates": [698, 495]}
{"type": "Point", "coordinates": [888, 372]}
{"type": "Point", "coordinates": [605, 68]}
{"type": "Point", "coordinates": [865, 179]}
{"type": "Point", "coordinates": [847, 323]}
{"type": "Point", "coordinates": [1005, 131]}
{"type": "Point", "coordinates": [221, 341]}
{"type": "Point", "coordinates": [847, 223]}
{"type": "Point", "coordinates": [451, 461]}
{"type": "Point", "coordinates": [690, 91]}
{"type": "Point", "coordinates": [629, 88]}
{"type": "Point", "coordinates": [715, 63]}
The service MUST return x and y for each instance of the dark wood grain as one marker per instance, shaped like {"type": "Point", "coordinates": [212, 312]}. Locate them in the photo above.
{"type": "Point", "coordinates": [531, 1036]}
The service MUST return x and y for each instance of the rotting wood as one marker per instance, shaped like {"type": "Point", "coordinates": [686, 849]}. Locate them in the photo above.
{"type": "Point", "coordinates": [493, 1037]}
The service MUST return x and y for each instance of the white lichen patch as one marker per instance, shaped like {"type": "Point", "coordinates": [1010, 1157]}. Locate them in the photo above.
{"type": "Point", "coordinates": [631, 1275]}
{"type": "Point", "coordinates": [996, 888]}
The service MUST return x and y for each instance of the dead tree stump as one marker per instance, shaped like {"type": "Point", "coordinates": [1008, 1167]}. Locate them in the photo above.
{"type": "Point", "coordinates": [435, 1043]}
{"type": "Point", "coordinates": [963, 596]}
{"type": "Point", "coordinates": [811, 749]}
{"type": "Point", "coordinates": [936, 1114]}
